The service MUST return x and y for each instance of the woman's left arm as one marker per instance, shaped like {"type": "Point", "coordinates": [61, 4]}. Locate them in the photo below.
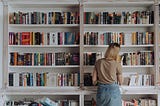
{"type": "Point", "coordinates": [119, 74]}
{"type": "Point", "coordinates": [94, 77]}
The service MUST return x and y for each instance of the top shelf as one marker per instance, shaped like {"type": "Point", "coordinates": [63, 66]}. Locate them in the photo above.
{"type": "Point", "coordinates": [43, 3]}
{"type": "Point", "coordinates": [71, 3]}
{"type": "Point", "coordinates": [116, 3]}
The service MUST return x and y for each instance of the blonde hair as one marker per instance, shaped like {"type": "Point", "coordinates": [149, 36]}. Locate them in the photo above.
{"type": "Point", "coordinates": [112, 51]}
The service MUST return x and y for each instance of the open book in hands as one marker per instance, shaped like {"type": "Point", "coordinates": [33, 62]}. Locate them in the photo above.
{"type": "Point", "coordinates": [120, 59]}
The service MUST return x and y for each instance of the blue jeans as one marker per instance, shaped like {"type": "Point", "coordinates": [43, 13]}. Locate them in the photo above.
{"type": "Point", "coordinates": [108, 95]}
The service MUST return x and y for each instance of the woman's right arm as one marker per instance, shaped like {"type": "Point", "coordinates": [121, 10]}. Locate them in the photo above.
{"type": "Point", "coordinates": [119, 78]}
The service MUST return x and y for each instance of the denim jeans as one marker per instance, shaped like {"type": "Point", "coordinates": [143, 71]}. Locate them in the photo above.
{"type": "Point", "coordinates": [108, 95]}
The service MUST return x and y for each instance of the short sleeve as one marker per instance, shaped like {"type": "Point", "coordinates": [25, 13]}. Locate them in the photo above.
{"type": "Point", "coordinates": [119, 69]}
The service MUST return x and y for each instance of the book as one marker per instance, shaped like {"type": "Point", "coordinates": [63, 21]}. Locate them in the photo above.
{"type": "Point", "coordinates": [51, 79]}
{"type": "Point", "coordinates": [88, 79]}
{"type": "Point", "coordinates": [53, 38]}
{"type": "Point", "coordinates": [69, 38]}
{"type": "Point", "coordinates": [73, 103]}
{"type": "Point", "coordinates": [48, 102]}
{"type": "Point", "coordinates": [25, 39]}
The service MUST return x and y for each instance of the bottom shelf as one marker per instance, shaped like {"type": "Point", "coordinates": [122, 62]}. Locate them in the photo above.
{"type": "Point", "coordinates": [72, 97]}
{"type": "Point", "coordinates": [42, 100]}
{"type": "Point", "coordinates": [127, 100]}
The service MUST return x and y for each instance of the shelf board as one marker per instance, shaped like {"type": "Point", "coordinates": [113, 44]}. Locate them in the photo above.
{"type": "Point", "coordinates": [60, 66]}
{"type": "Point", "coordinates": [150, 45]}
{"type": "Point", "coordinates": [137, 66]}
{"type": "Point", "coordinates": [111, 3]}
{"type": "Point", "coordinates": [61, 46]}
{"type": "Point", "coordinates": [88, 3]}
{"type": "Point", "coordinates": [41, 25]}
{"type": "Point", "coordinates": [75, 90]}
{"type": "Point", "coordinates": [43, 4]}
{"type": "Point", "coordinates": [147, 45]}
{"type": "Point", "coordinates": [127, 89]}
{"type": "Point", "coordinates": [127, 66]}
{"type": "Point", "coordinates": [42, 46]}
{"type": "Point", "coordinates": [138, 90]}
{"type": "Point", "coordinates": [118, 25]}
{"type": "Point", "coordinates": [42, 90]}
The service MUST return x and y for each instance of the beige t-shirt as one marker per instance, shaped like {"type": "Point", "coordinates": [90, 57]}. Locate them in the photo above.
{"type": "Point", "coordinates": [107, 70]}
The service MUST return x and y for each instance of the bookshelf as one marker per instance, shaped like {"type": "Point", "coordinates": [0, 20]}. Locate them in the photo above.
{"type": "Point", "coordinates": [43, 51]}
{"type": "Point", "coordinates": [101, 18]}
{"type": "Point", "coordinates": [77, 92]}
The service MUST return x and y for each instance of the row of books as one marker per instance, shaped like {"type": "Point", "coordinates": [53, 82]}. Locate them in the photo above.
{"type": "Point", "coordinates": [135, 17]}
{"type": "Point", "coordinates": [129, 79]}
{"type": "Point", "coordinates": [71, 38]}
{"type": "Point", "coordinates": [140, 102]}
{"type": "Point", "coordinates": [44, 79]}
{"type": "Point", "coordinates": [136, 79]}
{"type": "Point", "coordinates": [96, 38]}
{"type": "Point", "coordinates": [37, 17]}
{"type": "Point", "coordinates": [43, 38]}
{"type": "Point", "coordinates": [22, 103]}
{"type": "Point", "coordinates": [72, 79]}
{"type": "Point", "coordinates": [43, 59]}
{"type": "Point", "coordinates": [62, 58]}
{"type": "Point", "coordinates": [91, 57]}
{"type": "Point", "coordinates": [130, 58]}
{"type": "Point", "coordinates": [45, 101]}
{"type": "Point", "coordinates": [123, 38]}
{"type": "Point", "coordinates": [138, 58]}
{"type": "Point", "coordinates": [48, 102]}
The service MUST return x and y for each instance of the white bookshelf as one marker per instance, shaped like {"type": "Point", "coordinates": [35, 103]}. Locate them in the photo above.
{"type": "Point", "coordinates": [78, 93]}
{"type": "Point", "coordinates": [54, 91]}
{"type": "Point", "coordinates": [120, 6]}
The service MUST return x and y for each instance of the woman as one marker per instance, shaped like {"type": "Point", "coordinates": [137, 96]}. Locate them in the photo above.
{"type": "Point", "coordinates": [107, 73]}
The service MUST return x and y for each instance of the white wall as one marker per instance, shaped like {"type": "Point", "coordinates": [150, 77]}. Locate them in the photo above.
{"type": "Point", "coordinates": [1, 42]}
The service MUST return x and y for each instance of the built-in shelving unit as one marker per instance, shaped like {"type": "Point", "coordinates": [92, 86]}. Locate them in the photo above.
{"type": "Point", "coordinates": [131, 23]}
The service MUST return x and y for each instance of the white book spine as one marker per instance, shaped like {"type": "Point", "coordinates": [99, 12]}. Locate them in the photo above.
{"type": "Point", "coordinates": [53, 38]}
{"type": "Point", "coordinates": [16, 78]}
{"type": "Point", "coordinates": [128, 38]}
{"type": "Point", "coordinates": [139, 80]}
{"type": "Point", "coordinates": [51, 79]}
{"type": "Point", "coordinates": [53, 59]}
